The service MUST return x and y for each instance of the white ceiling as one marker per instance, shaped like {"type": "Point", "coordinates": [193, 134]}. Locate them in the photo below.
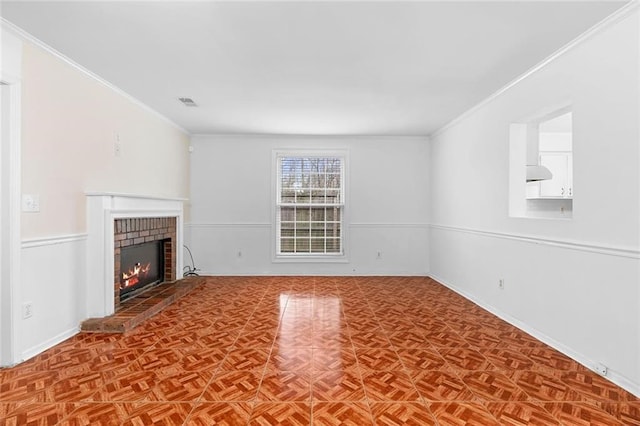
{"type": "Point", "coordinates": [302, 67]}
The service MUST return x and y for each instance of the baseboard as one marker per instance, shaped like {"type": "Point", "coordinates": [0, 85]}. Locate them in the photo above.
{"type": "Point", "coordinates": [38, 349]}
{"type": "Point", "coordinates": [612, 375]}
{"type": "Point", "coordinates": [293, 274]}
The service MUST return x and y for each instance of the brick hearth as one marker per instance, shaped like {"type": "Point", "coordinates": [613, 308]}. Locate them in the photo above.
{"type": "Point", "coordinates": [141, 307]}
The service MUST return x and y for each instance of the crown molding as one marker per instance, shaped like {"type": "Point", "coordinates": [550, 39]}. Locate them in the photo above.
{"type": "Point", "coordinates": [612, 19]}
{"type": "Point", "coordinates": [25, 36]}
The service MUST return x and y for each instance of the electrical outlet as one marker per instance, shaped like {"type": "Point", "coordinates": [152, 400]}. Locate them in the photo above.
{"type": "Point", "coordinates": [379, 254]}
{"type": "Point", "coordinates": [239, 253]}
{"type": "Point", "coordinates": [27, 310]}
{"type": "Point", "coordinates": [601, 369]}
{"type": "Point", "coordinates": [501, 283]}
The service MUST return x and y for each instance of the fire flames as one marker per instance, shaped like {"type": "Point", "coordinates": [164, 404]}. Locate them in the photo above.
{"type": "Point", "coordinates": [134, 275]}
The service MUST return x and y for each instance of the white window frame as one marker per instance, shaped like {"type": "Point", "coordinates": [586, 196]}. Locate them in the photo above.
{"type": "Point", "coordinates": [277, 257]}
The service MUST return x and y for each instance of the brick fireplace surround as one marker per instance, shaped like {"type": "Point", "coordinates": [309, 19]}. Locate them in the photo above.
{"type": "Point", "coordinates": [131, 231]}
{"type": "Point", "coordinates": [115, 220]}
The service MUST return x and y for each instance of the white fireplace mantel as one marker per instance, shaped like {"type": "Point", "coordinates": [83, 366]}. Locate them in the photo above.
{"type": "Point", "coordinates": [102, 209]}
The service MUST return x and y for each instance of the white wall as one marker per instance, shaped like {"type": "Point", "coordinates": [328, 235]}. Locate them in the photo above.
{"type": "Point", "coordinates": [69, 123]}
{"type": "Point", "coordinates": [232, 204]}
{"type": "Point", "coordinates": [54, 273]}
{"type": "Point", "coordinates": [573, 283]}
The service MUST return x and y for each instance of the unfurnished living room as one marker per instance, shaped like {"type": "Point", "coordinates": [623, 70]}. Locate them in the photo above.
{"type": "Point", "coordinates": [320, 212]}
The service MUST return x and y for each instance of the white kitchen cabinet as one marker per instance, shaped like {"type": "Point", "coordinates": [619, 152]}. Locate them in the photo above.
{"type": "Point", "coordinates": [561, 166]}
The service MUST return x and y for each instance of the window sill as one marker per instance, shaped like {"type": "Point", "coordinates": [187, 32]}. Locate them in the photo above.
{"type": "Point", "coordinates": [310, 259]}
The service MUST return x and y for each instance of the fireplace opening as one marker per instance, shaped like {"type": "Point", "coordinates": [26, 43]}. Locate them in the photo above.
{"type": "Point", "coordinates": [141, 266]}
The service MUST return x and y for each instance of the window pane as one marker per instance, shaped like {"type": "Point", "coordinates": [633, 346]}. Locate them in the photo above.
{"type": "Point", "coordinates": [286, 245]}
{"type": "Point", "coordinates": [317, 214]}
{"type": "Point", "coordinates": [333, 196]}
{"type": "Point", "coordinates": [333, 245]}
{"type": "Point", "coordinates": [287, 225]}
{"type": "Point", "coordinates": [286, 232]}
{"type": "Point", "coordinates": [317, 245]}
{"type": "Point", "coordinates": [317, 196]}
{"type": "Point", "coordinates": [333, 165]}
{"type": "Point", "coordinates": [317, 180]}
{"type": "Point", "coordinates": [302, 230]}
{"type": "Point", "coordinates": [287, 214]}
{"type": "Point", "coordinates": [333, 214]}
{"type": "Point", "coordinates": [333, 229]}
{"type": "Point", "coordinates": [321, 164]}
{"type": "Point", "coordinates": [303, 196]}
{"type": "Point", "coordinates": [317, 231]}
{"type": "Point", "coordinates": [288, 196]}
{"type": "Point", "coordinates": [302, 245]}
{"type": "Point", "coordinates": [302, 214]}
{"type": "Point", "coordinates": [333, 181]}
{"type": "Point", "coordinates": [287, 180]}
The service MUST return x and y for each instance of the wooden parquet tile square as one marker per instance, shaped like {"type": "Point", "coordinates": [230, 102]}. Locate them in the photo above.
{"type": "Point", "coordinates": [378, 359]}
{"type": "Point", "coordinates": [247, 359]}
{"type": "Point", "coordinates": [410, 338]}
{"type": "Point", "coordinates": [627, 413]}
{"type": "Point", "coordinates": [389, 386]}
{"type": "Point", "coordinates": [290, 359]}
{"type": "Point", "coordinates": [545, 387]}
{"type": "Point", "coordinates": [281, 413]}
{"type": "Point", "coordinates": [181, 386]}
{"type": "Point", "coordinates": [462, 413]}
{"type": "Point", "coordinates": [27, 386]}
{"type": "Point", "coordinates": [285, 386]}
{"type": "Point", "coordinates": [580, 414]}
{"type": "Point", "coordinates": [128, 386]}
{"type": "Point", "coordinates": [157, 414]}
{"type": "Point", "coordinates": [421, 359]}
{"type": "Point", "coordinates": [329, 358]}
{"type": "Point", "coordinates": [201, 359]}
{"type": "Point", "coordinates": [441, 385]}
{"type": "Point", "coordinates": [338, 386]}
{"type": "Point", "coordinates": [508, 359]}
{"type": "Point", "coordinates": [220, 413]}
{"type": "Point", "coordinates": [492, 386]}
{"type": "Point", "coordinates": [233, 386]}
{"type": "Point", "coordinates": [34, 413]}
{"type": "Point", "coordinates": [75, 388]}
{"type": "Point", "coordinates": [465, 359]}
{"type": "Point", "coordinates": [521, 413]}
{"type": "Point", "coordinates": [594, 387]}
{"type": "Point", "coordinates": [342, 413]}
{"type": "Point", "coordinates": [402, 413]}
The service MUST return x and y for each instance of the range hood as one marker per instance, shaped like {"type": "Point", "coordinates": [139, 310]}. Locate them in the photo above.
{"type": "Point", "coordinates": [537, 173]}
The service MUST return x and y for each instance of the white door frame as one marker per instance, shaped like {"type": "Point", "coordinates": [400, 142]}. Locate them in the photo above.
{"type": "Point", "coordinates": [10, 173]}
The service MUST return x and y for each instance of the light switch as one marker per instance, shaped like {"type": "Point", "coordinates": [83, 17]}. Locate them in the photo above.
{"type": "Point", "coordinates": [117, 145]}
{"type": "Point", "coordinates": [30, 203]}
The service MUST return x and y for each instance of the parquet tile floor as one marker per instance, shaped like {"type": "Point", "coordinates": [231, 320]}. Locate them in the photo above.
{"type": "Point", "coordinates": [312, 351]}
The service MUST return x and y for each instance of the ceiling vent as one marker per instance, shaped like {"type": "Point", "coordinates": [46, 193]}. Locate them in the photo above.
{"type": "Point", "coordinates": [188, 102]}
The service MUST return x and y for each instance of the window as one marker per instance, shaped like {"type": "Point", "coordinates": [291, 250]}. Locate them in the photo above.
{"type": "Point", "coordinates": [310, 205]}
{"type": "Point", "coordinates": [541, 166]}
{"type": "Point", "coordinates": [555, 152]}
